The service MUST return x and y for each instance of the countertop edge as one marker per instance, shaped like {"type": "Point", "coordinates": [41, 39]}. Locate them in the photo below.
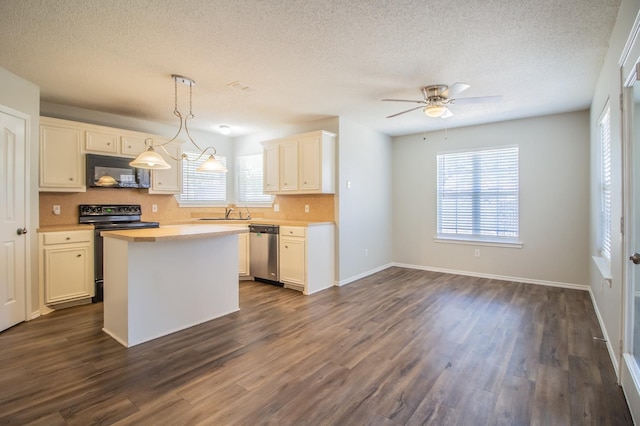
{"type": "Point", "coordinates": [174, 233]}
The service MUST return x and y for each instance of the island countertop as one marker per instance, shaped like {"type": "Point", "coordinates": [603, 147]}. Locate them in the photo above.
{"type": "Point", "coordinates": [174, 232]}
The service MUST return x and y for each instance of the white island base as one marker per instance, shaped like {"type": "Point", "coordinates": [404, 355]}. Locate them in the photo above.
{"type": "Point", "coordinates": [154, 288]}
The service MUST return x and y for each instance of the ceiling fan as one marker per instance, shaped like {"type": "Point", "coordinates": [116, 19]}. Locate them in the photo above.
{"type": "Point", "coordinates": [437, 97]}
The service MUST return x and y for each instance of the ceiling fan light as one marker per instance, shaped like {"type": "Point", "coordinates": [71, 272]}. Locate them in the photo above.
{"type": "Point", "coordinates": [150, 159]}
{"type": "Point", "coordinates": [212, 165]}
{"type": "Point", "coordinates": [435, 110]}
{"type": "Point", "coordinates": [225, 130]}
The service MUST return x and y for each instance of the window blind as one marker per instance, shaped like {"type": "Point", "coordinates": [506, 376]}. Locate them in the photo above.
{"type": "Point", "coordinates": [478, 194]}
{"type": "Point", "coordinates": [202, 187]}
{"type": "Point", "coordinates": [605, 184]}
{"type": "Point", "coordinates": [250, 187]}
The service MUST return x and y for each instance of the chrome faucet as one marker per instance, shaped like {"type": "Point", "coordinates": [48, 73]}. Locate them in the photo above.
{"type": "Point", "coordinates": [227, 212]}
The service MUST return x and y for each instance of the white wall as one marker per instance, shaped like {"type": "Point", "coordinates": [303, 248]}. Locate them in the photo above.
{"type": "Point", "coordinates": [365, 210]}
{"type": "Point", "coordinates": [22, 96]}
{"type": "Point", "coordinates": [554, 200]}
{"type": "Point", "coordinates": [609, 300]}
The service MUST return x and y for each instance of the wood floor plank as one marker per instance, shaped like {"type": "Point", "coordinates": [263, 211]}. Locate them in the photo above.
{"type": "Point", "coordinates": [399, 347]}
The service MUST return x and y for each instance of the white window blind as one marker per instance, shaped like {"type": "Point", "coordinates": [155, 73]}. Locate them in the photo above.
{"type": "Point", "coordinates": [605, 183]}
{"type": "Point", "coordinates": [478, 194]}
{"type": "Point", "coordinates": [202, 187]}
{"type": "Point", "coordinates": [249, 173]}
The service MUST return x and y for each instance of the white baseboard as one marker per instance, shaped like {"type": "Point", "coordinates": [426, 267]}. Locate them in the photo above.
{"type": "Point", "coordinates": [612, 354]}
{"type": "Point", "coordinates": [34, 315]}
{"type": "Point", "coordinates": [362, 275]}
{"type": "Point", "coordinates": [572, 286]}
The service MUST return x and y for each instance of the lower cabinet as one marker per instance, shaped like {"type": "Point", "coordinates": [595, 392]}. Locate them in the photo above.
{"type": "Point", "coordinates": [307, 260]}
{"type": "Point", "coordinates": [66, 265]}
{"type": "Point", "coordinates": [243, 255]}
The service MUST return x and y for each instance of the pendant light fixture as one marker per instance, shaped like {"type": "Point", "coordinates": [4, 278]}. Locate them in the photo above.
{"type": "Point", "coordinates": [150, 159]}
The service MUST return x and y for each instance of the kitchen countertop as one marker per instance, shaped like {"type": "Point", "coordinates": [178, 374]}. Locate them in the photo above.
{"type": "Point", "coordinates": [175, 232]}
{"type": "Point", "coordinates": [257, 221]}
{"type": "Point", "coordinates": [63, 228]}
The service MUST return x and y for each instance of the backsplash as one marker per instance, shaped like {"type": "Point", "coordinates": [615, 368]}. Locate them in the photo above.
{"type": "Point", "coordinates": [292, 207]}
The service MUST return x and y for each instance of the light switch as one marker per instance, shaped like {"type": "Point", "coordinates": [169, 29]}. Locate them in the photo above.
{"type": "Point", "coordinates": [154, 208]}
{"type": "Point", "coordinates": [56, 210]}
{"type": "Point", "coordinates": [276, 207]}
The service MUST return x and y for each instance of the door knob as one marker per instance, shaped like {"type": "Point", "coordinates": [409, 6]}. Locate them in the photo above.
{"type": "Point", "coordinates": [635, 258]}
{"type": "Point", "coordinates": [21, 231]}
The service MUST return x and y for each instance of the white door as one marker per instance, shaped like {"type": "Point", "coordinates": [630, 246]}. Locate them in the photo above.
{"type": "Point", "coordinates": [12, 220]}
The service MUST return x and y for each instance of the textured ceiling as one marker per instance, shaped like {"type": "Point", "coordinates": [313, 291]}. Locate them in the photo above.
{"type": "Point", "coordinates": [309, 59]}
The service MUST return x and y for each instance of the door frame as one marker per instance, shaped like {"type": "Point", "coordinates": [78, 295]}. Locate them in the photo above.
{"type": "Point", "coordinates": [629, 371]}
{"type": "Point", "coordinates": [28, 306]}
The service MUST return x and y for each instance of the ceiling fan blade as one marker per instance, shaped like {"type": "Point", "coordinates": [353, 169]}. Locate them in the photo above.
{"type": "Point", "coordinates": [478, 100]}
{"type": "Point", "coordinates": [455, 89]}
{"type": "Point", "coordinates": [404, 100]}
{"type": "Point", "coordinates": [404, 112]}
{"type": "Point", "coordinates": [447, 114]}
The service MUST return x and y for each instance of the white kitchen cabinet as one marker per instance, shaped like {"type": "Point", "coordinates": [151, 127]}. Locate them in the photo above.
{"type": "Point", "coordinates": [61, 160]}
{"type": "Point", "coordinates": [66, 266]}
{"type": "Point", "coordinates": [243, 255]}
{"type": "Point", "coordinates": [307, 259]}
{"type": "Point", "coordinates": [271, 168]}
{"type": "Point", "coordinates": [168, 181]}
{"type": "Point", "coordinates": [305, 164]}
{"type": "Point", "coordinates": [289, 166]}
{"type": "Point", "coordinates": [133, 145]}
{"type": "Point", "coordinates": [101, 141]}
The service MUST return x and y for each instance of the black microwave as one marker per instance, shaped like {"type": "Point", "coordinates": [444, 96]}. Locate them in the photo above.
{"type": "Point", "coordinates": [104, 171]}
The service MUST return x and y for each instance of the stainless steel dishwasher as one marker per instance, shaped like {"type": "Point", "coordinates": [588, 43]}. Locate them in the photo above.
{"type": "Point", "coordinates": [263, 253]}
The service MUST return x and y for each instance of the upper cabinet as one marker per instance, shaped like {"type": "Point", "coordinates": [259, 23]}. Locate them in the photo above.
{"type": "Point", "coordinates": [300, 164]}
{"type": "Point", "coordinates": [64, 143]}
{"type": "Point", "coordinates": [61, 161]}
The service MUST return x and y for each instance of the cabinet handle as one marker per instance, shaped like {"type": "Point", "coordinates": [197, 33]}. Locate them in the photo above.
{"type": "Point", "coordinates": [71, 179]}
{"type": "Point", "coordinates": [68, 238]}
{"type": "Point", "coordinates": [79, 255]}
{"type": "Point", "coordinates": [286, 246]}
{"type": "Point", "coordinates": [108, 143]}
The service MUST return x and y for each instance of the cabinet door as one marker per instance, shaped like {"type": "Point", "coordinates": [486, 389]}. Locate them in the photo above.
{"type": "Point", "coordinates": [61, 165]}
{"type": "Point", "coordinates": [271, 167]}
{"type": "Point", "coordinates": [168, 181]}
{"type": "Point", "coordinates": [132, 145]}
{"type": "Point", "coordinates": [289, 166]}
{"type": "Point", "coordinates": [67, 272]}
{"type": "Point", "coordinates": [310, 162]}
{"type": "Point", "coordinates": [101, 142]}
{"type": "Point", "coordinates": [243, 255]}
{"type": "Point", "coordinates": [292, 260]}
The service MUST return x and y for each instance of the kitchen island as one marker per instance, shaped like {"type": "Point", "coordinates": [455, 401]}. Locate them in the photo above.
{"type": "Point", "coordinates": [159, 281]}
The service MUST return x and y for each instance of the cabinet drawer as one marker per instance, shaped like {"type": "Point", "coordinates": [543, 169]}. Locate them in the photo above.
{"type": "Point", "coordinates": [67, 237]}
{"type": "Point", "coordinates": [131, 145]}
{"type": "Point", "coordinates": [293, 231]}
{"type": "Point", "coordinates": [101, 142]}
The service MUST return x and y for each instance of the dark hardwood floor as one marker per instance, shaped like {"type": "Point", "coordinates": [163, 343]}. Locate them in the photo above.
{"type": "Point", "coordinates": [399, 347]}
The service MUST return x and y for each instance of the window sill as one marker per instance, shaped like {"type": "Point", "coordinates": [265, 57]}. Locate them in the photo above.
{"type": "Point", "coordinates": [478, 242]}
{"type": "Point", "coordinates": [604, 267]}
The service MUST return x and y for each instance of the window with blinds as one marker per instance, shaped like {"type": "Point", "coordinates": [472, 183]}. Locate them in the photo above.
{"type": "Point", "coordinates": [201, 187]}
{"type": "Point", "coordinates": [604, 125]}
{"type": "Point", "coordinates": [478, 195]}
{"type": "Point", "coordinates": [249, 172]}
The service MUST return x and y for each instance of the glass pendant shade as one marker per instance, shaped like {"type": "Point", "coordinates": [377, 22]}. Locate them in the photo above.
{"type": "Point", "coordinates": [435, 110]}
{"type": "Point", "coordinates": [212, 165]}
{"type": "Point", "coordinates": [150, 159]}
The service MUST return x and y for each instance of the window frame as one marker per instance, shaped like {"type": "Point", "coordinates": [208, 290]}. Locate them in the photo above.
{"type": "Point", "coordinates": [477, 239]}
{"type": "Point", "coordinates": [604, 183]}
{"type": "Point", "coordinates": [246, 203]}
{"type": "Point", "coordinates": [202, 203]}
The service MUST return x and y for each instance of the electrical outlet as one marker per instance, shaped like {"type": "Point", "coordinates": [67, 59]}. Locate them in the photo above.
{"type": "Point", "coordinates": [306, 208]}
{"type": "Point", "coordinates": [276, 207]}
{"type": "Point", "coordinates": [476, 252]}
{"type": "Point", "coordinates": [56, 210]}
{"type": "Point", "coordinates": [154, 208]}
